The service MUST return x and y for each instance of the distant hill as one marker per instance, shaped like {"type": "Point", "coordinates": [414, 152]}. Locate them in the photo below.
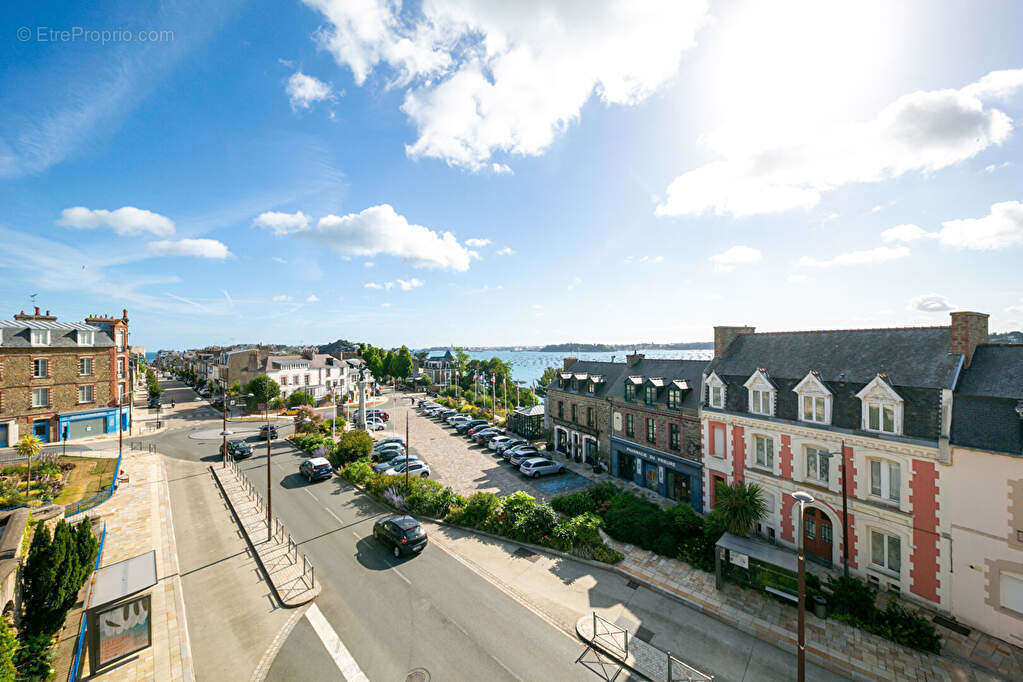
{"type": "Point", "coordinates": [1006, 337]}
{"type": "Point", "coordinates": [604, 347]}
{"type": "Point", "coordinates": [338, 347]}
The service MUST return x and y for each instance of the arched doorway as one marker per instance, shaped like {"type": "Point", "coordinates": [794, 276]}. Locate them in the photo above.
{"type": "Point", "coordinates": [817, 535]}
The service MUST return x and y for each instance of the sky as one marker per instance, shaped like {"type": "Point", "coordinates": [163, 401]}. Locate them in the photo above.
{"type": "Point", "coordinates": [478, 172]}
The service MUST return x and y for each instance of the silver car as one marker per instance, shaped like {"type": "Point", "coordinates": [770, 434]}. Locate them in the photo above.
{"type": "Point", "coordinates": [539, 466]}
{"type": "Point", "coordinates": [510, 443]}
{"type": "Point", "coordinates": [495, 442]}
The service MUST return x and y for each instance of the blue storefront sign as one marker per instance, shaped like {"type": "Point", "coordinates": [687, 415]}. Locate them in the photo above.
{"type": "Point", "coordinates": [90, 423]}
{"type": "Point", "coordinates": [665, 474]}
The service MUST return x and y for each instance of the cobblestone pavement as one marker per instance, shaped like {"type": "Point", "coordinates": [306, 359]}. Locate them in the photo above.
{"type": "Point", "coordinates": [138, 519]}
{"type": "Point", "coordinates": [468, 468]}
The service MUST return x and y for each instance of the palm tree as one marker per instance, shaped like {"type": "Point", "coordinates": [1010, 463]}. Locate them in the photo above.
{"type": "Point", "coordinates": [741, 506]}
{"type": "Point", "coordinates": [28, 446]}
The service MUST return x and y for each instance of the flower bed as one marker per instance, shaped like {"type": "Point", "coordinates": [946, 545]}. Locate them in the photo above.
{"type": "Point", "coordinates": [517, 516]}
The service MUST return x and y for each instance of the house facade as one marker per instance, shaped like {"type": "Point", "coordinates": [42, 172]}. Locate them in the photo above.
{"type": "Point", "coordinates": [794, 410]}
{"type": "Point", "coordinates": [440, 367]}
{"type": "Point", "coordinates": [577, 411]}
{"type": "Point", "coordinates": [63, 380]}
{"type": "Point", "coordinates": [655, 427]}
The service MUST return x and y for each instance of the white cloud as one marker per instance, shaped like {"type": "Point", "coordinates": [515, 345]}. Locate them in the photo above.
{"type": "Point", "coordinates": [410, 284]}
{"type": "Point", "coordinates": [796, 278]}
{"type": "Point", "coordinates": [379, 229]}
{"type": "Point", "coordinates": [829, 217]}
{"type": "Point", "coordinates": [921, 132]}
{"type": "Point", "coordinates": [385, 305]}
{"type": "Point", "coordinates": [313, 298]}
{"type": "Point", "coordinates": [880, 207]}
{"type": "Point", "coordinates": [477, 243]}
{"type": "Point", "coordinates": [282, 223]}
{"type": "Point", "coordinates": [200, 248]}
{"type": "Point", "coordinates": [227, 297]}
{"type": "Point", "coordinates": [278, 259]}
{"type": "Point", "coordinates": [1015, 310]}
{"type": "Point", "coordinates": [905, 233]}
{"type": "Point", "coordinates": [281, 298]}
{"type": "Point", "coordinates": [997, 166]}
{"type": "Point", "coordinates": [881, 254]}
{"type": "Point", "coordinates": [368, 264]}
{"type": "Point", "coordinates": [124, 221]}
{"type": "Point", "coordinates": [506, 251]}
{"type": "Point", "coordinates": [501, 169]}
{"type": "Point", "coordinates": [930, 303]}
{"type": "Point", "coordinates": [576, 281]}
{"type": "Point", "coordinates": [1002, 227]}
{"type": "Point", "coordinates": [484, 76]}
{"type": "Point", "coordinates": [737, 255]}
{"type": "Point", "coordinates": [304, 91]}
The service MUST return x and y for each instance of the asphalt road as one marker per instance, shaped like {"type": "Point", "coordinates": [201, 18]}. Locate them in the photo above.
{"type": "Point", "coordinates": [428, 613]}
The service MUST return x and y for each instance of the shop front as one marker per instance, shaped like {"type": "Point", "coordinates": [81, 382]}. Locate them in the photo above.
{"type": "Point", "coordinates": [665, 474]}
{"type": "Point", "coordinates": [74, 425]}
{"type": "Point", "coordinates": [578, 443]}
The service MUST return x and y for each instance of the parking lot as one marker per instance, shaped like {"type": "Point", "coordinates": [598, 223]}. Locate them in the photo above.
{"type": "Point", "coordinates": [467, 467]}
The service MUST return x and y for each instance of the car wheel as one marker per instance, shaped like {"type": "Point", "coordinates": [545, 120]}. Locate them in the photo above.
{"type": "Point", "coordinates": [536, 474]}
{"type": "Point", "coordinates": [424, 475]}
{"type": "Point", "coordinates": [397, 552]}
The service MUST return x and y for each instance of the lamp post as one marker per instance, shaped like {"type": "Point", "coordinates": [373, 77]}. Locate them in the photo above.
{"type": "Point", "coordinates": [269, 504]}
{"type": "Point", "coordinates": [804, 498]}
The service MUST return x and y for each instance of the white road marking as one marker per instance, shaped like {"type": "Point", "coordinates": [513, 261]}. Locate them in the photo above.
{"type": "Point", "coordinates": [335, 647]}
{"type": "Point", "coordinates": [336, 517]}
{"type": "Point", "coordinates": [398, 573]}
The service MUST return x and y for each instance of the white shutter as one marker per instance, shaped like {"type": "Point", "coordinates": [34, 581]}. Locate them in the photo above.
{"type": "Point", "coordinates": [719, 442]}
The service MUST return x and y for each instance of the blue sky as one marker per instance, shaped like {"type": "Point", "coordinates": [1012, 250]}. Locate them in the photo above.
{"type": "Point", "coordinates": [483, 172]}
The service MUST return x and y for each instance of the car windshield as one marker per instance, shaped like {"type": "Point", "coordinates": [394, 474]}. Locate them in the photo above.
{"type": "Point", "coordinates": [320, 468]}
{"type": "Point", "coordinates": [412, 533]}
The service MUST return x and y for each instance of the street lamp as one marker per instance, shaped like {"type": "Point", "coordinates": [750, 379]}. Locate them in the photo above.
{"type": "Point", "coordinates": [845, 508]}
{"type": "Point", "coordinates": [804, 498]}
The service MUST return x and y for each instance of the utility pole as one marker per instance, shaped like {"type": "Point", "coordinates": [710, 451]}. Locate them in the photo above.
{"type": "Point", "coordinates": [269, 515]}
{"type": "Point", "coordinates": [406, 450]}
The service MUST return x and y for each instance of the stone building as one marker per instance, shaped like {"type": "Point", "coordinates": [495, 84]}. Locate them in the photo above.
{"type": "Point", "coordinates": [63, 380]}
{"type": "Point", "coordinates": [577, 410]}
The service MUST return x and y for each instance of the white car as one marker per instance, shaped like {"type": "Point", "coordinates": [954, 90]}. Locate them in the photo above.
{"type": "Point", "coordinates": [453, 419]}
{"type": "Point", "coordinates": [539, 466]}
{"type": "Point", "coordinates": [510, 443]}
{"type": "Point", "coordinates": [375, 425]}
{"type": "Point", "coordinates": [496, 441]}
{"type": "Point", "coordinates": [415, 468]}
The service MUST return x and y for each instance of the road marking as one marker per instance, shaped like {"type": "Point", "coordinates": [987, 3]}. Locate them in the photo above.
{"type": "Point", "coordinates": [336, 517]}
{"type": "Point", "coordinates": [335, 647]}
{"type": "Point", "coordinates": [398, 573]}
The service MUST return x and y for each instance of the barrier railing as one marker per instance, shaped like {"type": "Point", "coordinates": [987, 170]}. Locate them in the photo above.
{"type": "Point", "coordinates": [77, 662]}
{"type": "Point", "coordinates": [89, 503]}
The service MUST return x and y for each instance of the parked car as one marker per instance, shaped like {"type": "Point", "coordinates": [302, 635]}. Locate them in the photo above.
{"type": "Point", "coordinates": [398, 460]}
{"type": "Point", "coordinates": [403, 534]}
{"type": "Point", "coordinates": [495, 442]}
{"type": "Point", "coordinates": [455, 418]}
{"type": "Point", "coordinates": [483, 436]}
{"type": "Point", "coordinates": [268, 432]}
{"type": "Point", "coordinates": [316, 469]}
{"type": "Point", "coordinates": [539, 466]}
{"type": "Point", "coordinates": [387, 454]}
{"type": "Point", "coordinates": [415, 468]}
{"type": "Point", "coordinates": [519, 455]}
{"type": "Point", "coordinates": [375, 425]}
{"type": "Point", "coordinates": [485, 426]}
{"type": "Point", "coordinates": [465, 426]}
{"type": "Point", "coordinates": [378, 414]}
{"type": "Point", "coordinates": [513, 441]}
{"type": "Point", "coordinates": [389, 441]}
{"type": "Point", "coordinates": [238, 449]}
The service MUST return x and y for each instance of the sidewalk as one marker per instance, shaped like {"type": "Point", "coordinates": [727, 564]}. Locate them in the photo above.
{"type": "Point", "coordinates": [138, 519]}
{"type": "Point", "coordinates": [830, 642]}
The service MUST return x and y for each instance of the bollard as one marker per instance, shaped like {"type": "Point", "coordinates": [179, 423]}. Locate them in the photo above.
{"type": "Point", "coordinates": [594, 626]}
{"type": "Point", "coordinates": [670, 666]}
{"type": "Point", "coordinates": [312, 576]}
{"type": "Point", "coordinates": [626, 643]}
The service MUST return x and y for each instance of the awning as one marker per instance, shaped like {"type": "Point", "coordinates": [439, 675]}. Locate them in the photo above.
{"type": "Point", "coordinates": [761, 551]}
{"type": "Point", "coordinates": [597, 379]}
{"type": "Point", "coordinates": [681, 384]}
{"type": "Point", "coordinates": [123, 579]}
{"type": "Point", "coordinates": [656, 381]}
{"type": "Point", "coordinates": [635, 380]}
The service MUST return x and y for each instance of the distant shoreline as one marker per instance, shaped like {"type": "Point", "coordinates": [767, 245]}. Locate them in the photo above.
{"type": "Point", "coordinates": [582, 347]}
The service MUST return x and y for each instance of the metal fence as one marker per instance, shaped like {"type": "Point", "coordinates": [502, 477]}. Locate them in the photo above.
{"type": "Point", "coordinates": [88, 503]}
{"type": "Point", "coordinates": [77, 662]}
{"type": "Point", "coordinates": [45, 455]}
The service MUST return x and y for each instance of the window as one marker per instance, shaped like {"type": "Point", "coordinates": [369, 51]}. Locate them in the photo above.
{"type": "Point", "coordinates": [575, 414]}
{"type": "Point", "coordinates": [817, 465]}
{"type": "Point", "coordinates": [763, 448]}
{"type": "Point", "coordinates": [40, 368]}
{"type": "Point", "coordinates": [1010, 591]}
{"type": "Point", "coordinates": [40, 337]}
{"type": "Point", "coordinates": [589, 416]}
{"type": "Point", "coordinates": [561, 409]}
{"type": "Point", "coordinates": [630, 425]}
{"type": "Point", "coordinates": [717, 396]}
{"type": "Point", "coordinates": [674, 398]}
{"type": "Point", "coordinates": [85, 367]}
{"type": "Point", "coordinates": [760, 402]}
{"type": "Point", "coordinates": [814, 409]}
{"type": "Point", "coordinates": [885, 479]}
{"type": "Point", "coordinates": [650, 396]}
{"type": "Point", "coordinates": [120, 340]}
{"type": "Point", "coordinates": [589, 387]}
{"type": "Point", "coordinates": [306, 379]}
{"type": "Point", "coordinates": [86, 338]}
{"type": "Point", "coordinates": [120, 393]}
{"type": "Point", "coordinates": [630, 391]}
{"type": "Point", "coordinates": [881, 417]}
{"type": "Point", "coordinates": [40, 397]}
{"type": "Point", "coordinates": [717, 440]}
{"type": "Point", "coordinates": [674, 436]}
{"type": "Point", "coordinates": [120, 368]}
{"type": "Point", "coordinates": [885, 551]}
{"type": "Point", "coordinates": [651, 431]}
{"type": "Point", "coordinates": [85, 393]}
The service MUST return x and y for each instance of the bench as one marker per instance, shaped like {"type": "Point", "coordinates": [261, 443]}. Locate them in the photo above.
{"type": "Point", "coordinates": [784, 595]}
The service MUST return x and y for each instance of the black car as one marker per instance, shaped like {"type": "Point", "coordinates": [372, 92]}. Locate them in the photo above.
{"type": "Point", "coordinates": [316, 469]}
{"type": "Point", "coordinates": [402, 533]}
{"type": "Point", "coordinates": [268, 432]}
{"type": "Point", "coordinates": [238, 449]}
{"type": "Point", "coordinates": [154, 403]}
{"type": "Point", "coordinates": [465, 426]}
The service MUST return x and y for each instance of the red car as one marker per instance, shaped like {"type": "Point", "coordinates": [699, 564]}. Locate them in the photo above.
{"type": "Point", "coordinates": [473, 431]}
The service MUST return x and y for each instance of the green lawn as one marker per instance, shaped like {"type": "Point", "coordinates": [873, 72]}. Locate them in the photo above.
{"type": "Point", "coordinates": [89, 477]}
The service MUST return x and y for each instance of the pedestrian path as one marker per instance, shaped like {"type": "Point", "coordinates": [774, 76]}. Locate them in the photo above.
{"type": "Point", "coordinates": [138, 519]}
{"type": "Point", "coordinates": [290, 574]}
{"type": "Point", "coordinates": [623, 646]}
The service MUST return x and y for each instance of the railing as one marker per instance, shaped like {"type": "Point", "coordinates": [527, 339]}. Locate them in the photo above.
{"type": "Point", "coordinates": [611, 634]}
{"type": "Point", "coordinates": [687, 672]}
{"type": "Point", "coordinates": [89, 503]}
{"type": "Point", "coordinates": [73, 676]}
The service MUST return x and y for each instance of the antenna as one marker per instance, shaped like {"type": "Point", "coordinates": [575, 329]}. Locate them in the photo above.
{"type": "Point", "coordinates": [33, 297]}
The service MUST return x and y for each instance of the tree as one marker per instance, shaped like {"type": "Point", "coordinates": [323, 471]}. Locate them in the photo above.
{"type": "Point", "coordinates": [374, 363]}
{"type": "Point", "coordinates": [388, 364]}
{"type": "Point", "coordinates": [56, 569]}
{"type": "Point", "coordinates": [740, 506]}
{"type": "Point", "coordinates": [212, 386]}
{"type": "Point", "coordinates": [28, 446]}
{"type": "Point", "coordinates": [352, 446]}
{"type": "Point", "coordinates": [300, 398]}
{"type": "Point", "coordinates": [263, 390]}
{"type": "Point", "coordinates": [462, 368]}
{"type": "Point", "coordinates": [550, 374]}
{"type": "Point", "coordinates": [402, 363]}
{"type": "Point", "coordinates": [421, 356]}
{"type": "Point", "coordinates": [235, 388]}
{"type": "Point", "coordinates": [8, 652]}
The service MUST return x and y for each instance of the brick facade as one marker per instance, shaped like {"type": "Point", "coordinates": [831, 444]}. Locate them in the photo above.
{"type": "Point", "coordinates": [601, 427]}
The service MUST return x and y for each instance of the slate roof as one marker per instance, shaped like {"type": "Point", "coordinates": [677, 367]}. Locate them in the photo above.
{"type": "Point", "coordinates": [610, 371]}
{"type": "Point", "coordinates": [984, 407]}
{"type": "Point", "coordinates": [16, 334]}
{"type": "Point", "coordinates": [915, 356]}
{"type": "Point", "coordinates": [690, 371]}
{"type": "Point", "coordinates": [996, 372]}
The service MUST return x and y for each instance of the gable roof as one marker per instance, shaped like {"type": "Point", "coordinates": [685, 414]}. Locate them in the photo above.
{"type": "Point", "coordinates": [16, 334]}
{"type": "Point", "coordinates": [609, 371]}
{"type": "Point", "coordinates": [916, 356]}
{"type": "Point", "coordinates": [667, 371]}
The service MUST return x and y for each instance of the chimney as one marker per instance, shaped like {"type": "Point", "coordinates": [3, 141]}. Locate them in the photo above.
{"type": "Point", "coordinates": [568, 362]}
{"type": "Point", "coordinates": [723, 337]}
{"type": "Point", "coordinates": [37, 311]}
{"type": "Point", "coordinates": [633, 359]}
{"type": "Point", "coordinates": [968, 331]}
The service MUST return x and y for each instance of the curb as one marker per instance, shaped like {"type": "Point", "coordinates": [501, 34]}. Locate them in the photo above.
{"type": "Point", "coordinates": [591, 642]}
{"type": "Point", "coordinates": [255, 552]}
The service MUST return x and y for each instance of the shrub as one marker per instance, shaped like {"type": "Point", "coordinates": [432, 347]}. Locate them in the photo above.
{"type": "Point", "coordinates": [507, 515]}
{"type": "Point", "coordinates": [585, 529]}
{"type": "Point", "coordinates": [536, 525]}
{"type": "Point", "coordinates": [354, 445]}
{"type": "Point", "coordinates": [687, 522]}
{"type": "Point", "coordinates": [905, 627]}
{"type": "Point", "coordinates": [394, 497]}
{"type": "Point", "coordinates": [35, 657]}
{"type": "Point", "coordinates": [376, 484]}
{"type": "Point", "coordinates": [574, 504]}
{"type": "Point", "coordinates": [358, 471]}
{"type": "Point", "coordinates": [54, 572]}
{"type": "Point", "coordinates": [429, 498]}
{"type": "Point", "coordinates": [604, 553]}
{"type": "Point", "coordinates": [639, 522]}
{"type": "Point", "coordinates": [476, 510]}
{"type": "Point", "coordinates": [8, 652]}
{"type": "Point", "coordinates": [853, 600]}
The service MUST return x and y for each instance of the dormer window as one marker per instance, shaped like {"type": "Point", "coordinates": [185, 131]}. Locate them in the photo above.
{"type": "Point", "coordinates": [630, 392]}
{"type": "Point", "coordinates": [650, 395]}
{"type": "Point", "coordinates": [674, 398]}
{"type": "Point", "coordinates": [761, 393]}
{"type": "Point", "coordinates": [589, 387]}
{"type": "Point", "coordinates": [40, 337]}
{"type": "Point", "coordinates": [715, 391]}
{"type": "Point", "coordinates": [814, 399]}
{"type": "Point", "coordinates": [86, 338]}
{"type": "Point", "coordinates": [882, 407]}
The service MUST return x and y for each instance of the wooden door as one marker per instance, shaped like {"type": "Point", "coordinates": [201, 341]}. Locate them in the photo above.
{"type": "Point", "coordinates": [817, 534]}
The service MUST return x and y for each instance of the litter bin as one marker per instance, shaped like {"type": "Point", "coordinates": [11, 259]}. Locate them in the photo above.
{"type": "Point", "coordinates": [820, 606]}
